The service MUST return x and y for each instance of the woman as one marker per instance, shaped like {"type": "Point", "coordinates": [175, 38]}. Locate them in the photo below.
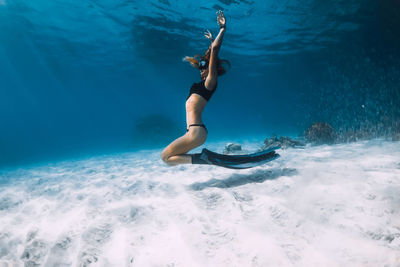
{"type": "Point", "coordinates": [210, 67]}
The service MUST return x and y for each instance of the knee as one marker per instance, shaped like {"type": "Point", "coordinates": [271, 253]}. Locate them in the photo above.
{"type": "Point", "coordinates": [165, 157]}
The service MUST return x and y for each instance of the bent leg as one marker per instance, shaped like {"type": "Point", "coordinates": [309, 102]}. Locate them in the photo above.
{"type": "Point", "coordinates": [175, 153]}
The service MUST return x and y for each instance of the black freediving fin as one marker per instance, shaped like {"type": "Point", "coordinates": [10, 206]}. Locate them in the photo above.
{"type": "Point", "coordinates": [235, 161]}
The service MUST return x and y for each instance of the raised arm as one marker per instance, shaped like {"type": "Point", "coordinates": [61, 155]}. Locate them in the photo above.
{"type": "Point", "coordinates": [222, 27]}
{"type": "Point", "coordinates": [211, 79]}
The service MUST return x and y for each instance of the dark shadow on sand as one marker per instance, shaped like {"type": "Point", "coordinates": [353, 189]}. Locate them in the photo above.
{"type": "Point", "coordinates": [258, 176]}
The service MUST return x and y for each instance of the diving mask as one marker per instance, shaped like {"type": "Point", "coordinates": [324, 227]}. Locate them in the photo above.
{"type": "Point", "coordinates": [203, 64]}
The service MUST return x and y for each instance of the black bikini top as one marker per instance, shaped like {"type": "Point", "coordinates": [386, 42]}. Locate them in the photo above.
{"type": "Point", "coordinates": [200, 89]}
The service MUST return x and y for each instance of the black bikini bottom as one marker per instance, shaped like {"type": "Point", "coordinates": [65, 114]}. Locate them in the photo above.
{"type": "Point", "coordinates": [197, 124]}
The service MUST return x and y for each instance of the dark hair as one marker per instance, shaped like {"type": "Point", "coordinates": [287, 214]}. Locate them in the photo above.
{"type": "Point", "coordinates": [195, 60]}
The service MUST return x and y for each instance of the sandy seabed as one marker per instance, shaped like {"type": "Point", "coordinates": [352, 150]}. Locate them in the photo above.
{"type": "Point", "coordinates": [319, 206]}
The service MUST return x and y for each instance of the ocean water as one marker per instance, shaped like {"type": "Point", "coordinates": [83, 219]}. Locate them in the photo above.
{"type": "Point", "coordinates": [91, 92]}
{"type": "Point", "coordinates": [88, 77]}
{"type": "Point", "coordinates": [318, 206]}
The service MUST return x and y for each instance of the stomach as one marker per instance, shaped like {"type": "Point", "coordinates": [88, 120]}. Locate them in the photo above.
{"type": "Point", "coordinates": [195, 105]}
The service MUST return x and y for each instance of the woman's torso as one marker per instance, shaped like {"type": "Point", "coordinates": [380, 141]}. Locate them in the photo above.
{"type": "Point", "coordinates": [196, 102]}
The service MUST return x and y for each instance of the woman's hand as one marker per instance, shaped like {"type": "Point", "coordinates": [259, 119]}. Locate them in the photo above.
{"type": "Point", "coordinates": [221, 19]}
{"type": "Point", "coordinates": [208, 35]}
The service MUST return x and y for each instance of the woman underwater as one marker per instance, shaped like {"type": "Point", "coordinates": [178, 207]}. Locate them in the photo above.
{"type": "Point", "coordinates": [210, 67]}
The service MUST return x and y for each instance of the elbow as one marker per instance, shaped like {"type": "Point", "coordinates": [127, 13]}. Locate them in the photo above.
{"type": "Point", "coordinates": [215, 47]}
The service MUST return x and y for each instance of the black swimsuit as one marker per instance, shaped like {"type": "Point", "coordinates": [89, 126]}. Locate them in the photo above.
{"type": "Point", "coordinates": [197, 124]}
{"type": "Point", "coordinates": [200, 89]}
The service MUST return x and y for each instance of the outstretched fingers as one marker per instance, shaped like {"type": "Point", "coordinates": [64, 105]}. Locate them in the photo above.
{"type": "Point", "coordinates": [208, 34]}
{"type": "Point", "coordinates": [220, 14]}
{"type": "Point", "coordinates": [220, 18]}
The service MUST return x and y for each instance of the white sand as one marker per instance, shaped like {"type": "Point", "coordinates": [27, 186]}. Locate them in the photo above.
{"type": "Point", "coordinates": [320, 206]}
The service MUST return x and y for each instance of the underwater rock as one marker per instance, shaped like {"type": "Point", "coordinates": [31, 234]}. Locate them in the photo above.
{"type": "Point", "coordinates": [283, 141]}
{"type": "Point", "coordinates": [231, 148]}
{"type": "Point", "coordinates": [396, 137]}
{"type": "Point", "coordinates": [320, 133]}
{"type": "Point", "coordinates": [154, 130]}
{"type": "Point", "coordinates": [396, 130]}
{"type": "Point", "coordinates": [354, 136]}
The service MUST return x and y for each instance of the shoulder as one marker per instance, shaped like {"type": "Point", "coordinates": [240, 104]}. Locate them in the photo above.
{"type": "Point", "coordinates": [210, 84]}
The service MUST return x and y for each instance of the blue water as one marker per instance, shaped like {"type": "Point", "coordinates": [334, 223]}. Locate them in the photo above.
{"type": "Point", "coordinates": [87, 77]}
